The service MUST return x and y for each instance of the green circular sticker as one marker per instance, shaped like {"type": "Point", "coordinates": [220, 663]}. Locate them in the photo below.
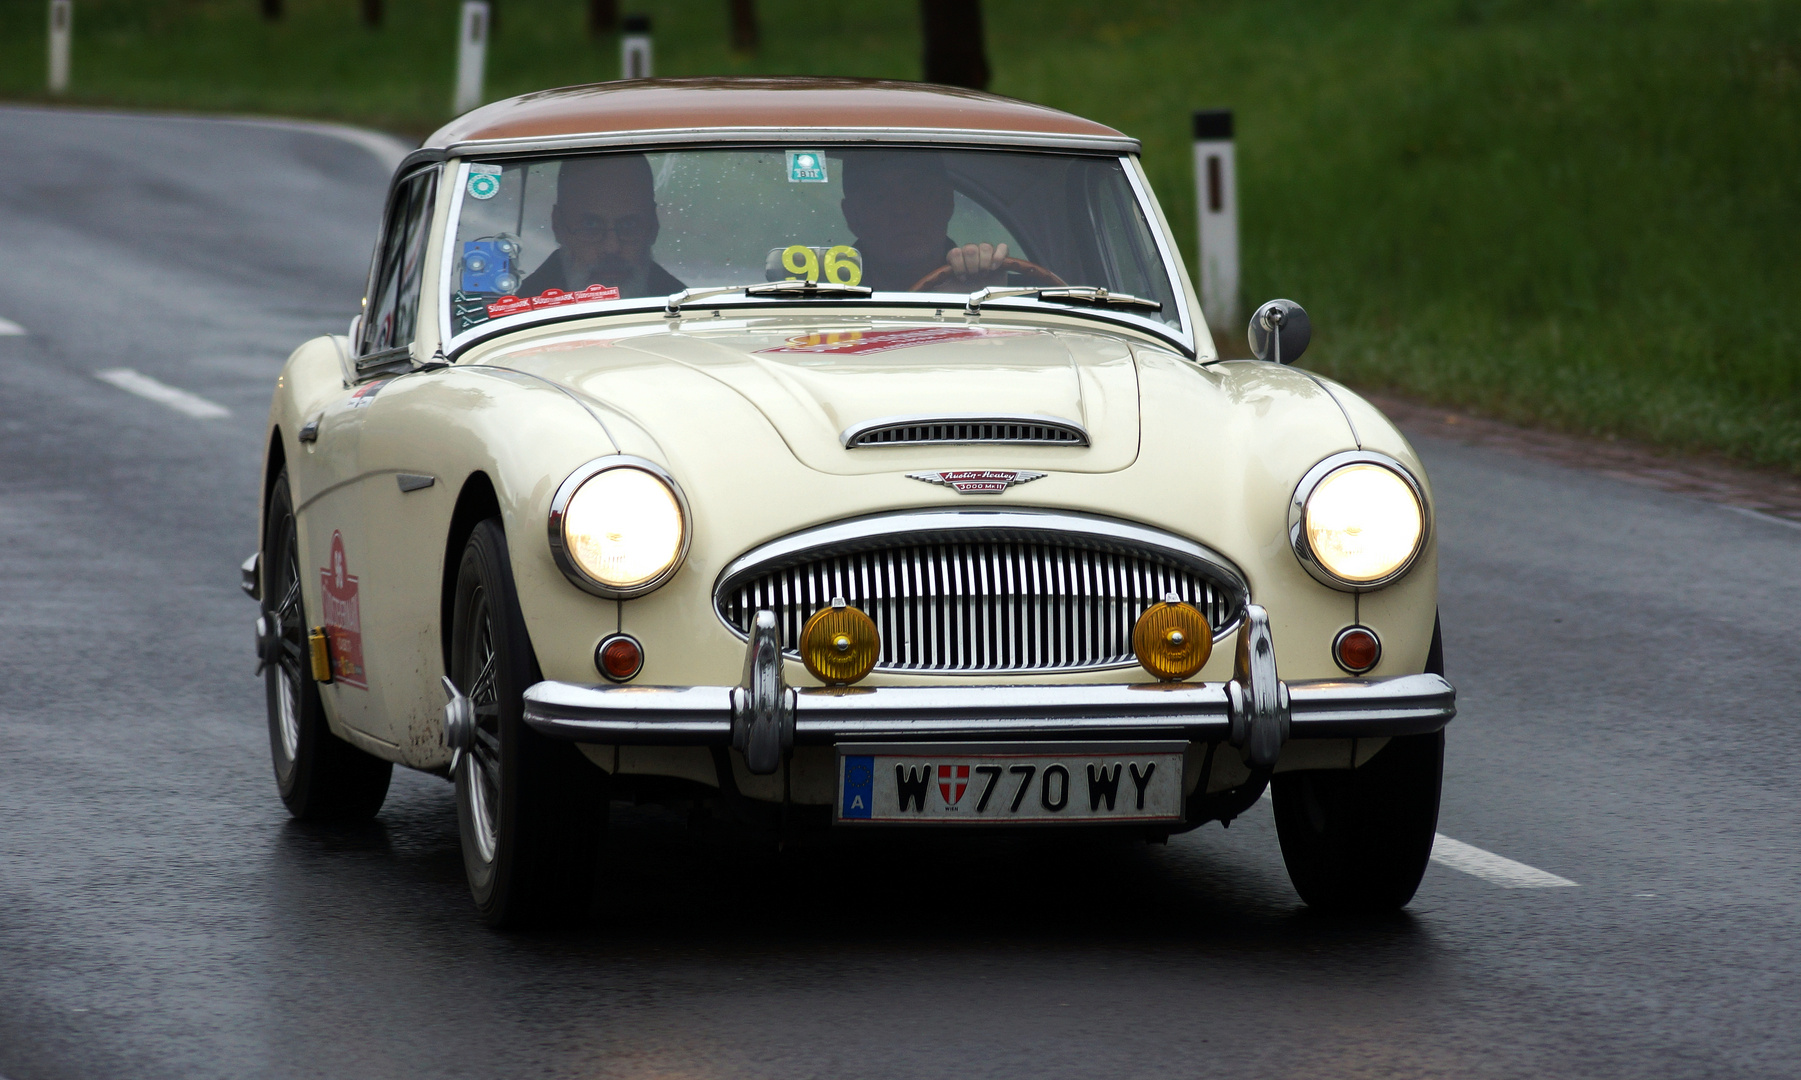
{"type": "Point", "coordinates": [483, 186]}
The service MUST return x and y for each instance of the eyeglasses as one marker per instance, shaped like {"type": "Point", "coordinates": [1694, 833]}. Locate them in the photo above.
{"type": "Point", "coordinates": [631, 228]}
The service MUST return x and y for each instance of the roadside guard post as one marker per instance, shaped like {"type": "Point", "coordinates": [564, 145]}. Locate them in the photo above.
{"type": "Point", "coordinates": [1216, 198]}
{"type": "Point", "coordinates": [62, 14]}
{"type": "Point", "coordinates": [472, 55]}
{"type": "Point", "coordinates": [634, 47]}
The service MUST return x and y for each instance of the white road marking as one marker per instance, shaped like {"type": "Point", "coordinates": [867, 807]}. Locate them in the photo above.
{"type": "Point", "coordinates": [146, 387]}
{"type": "Point", "coordinates": [8, 328]}
{"type": "Point", "coordinates": [1492, 868]}
{"type": "Point", "coordinates": [1761, 516]}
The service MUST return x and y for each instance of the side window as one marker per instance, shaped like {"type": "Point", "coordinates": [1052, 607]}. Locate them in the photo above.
{"type": "Point", "coordinates": [393, 312]}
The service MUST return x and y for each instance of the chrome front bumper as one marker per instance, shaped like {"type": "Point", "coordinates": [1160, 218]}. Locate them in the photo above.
{"type": "Point", "coordinates": [762, 717]}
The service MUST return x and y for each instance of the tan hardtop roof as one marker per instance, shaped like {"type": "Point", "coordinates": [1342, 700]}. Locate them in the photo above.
{"type": "Point", "coordinates": [670, 105]}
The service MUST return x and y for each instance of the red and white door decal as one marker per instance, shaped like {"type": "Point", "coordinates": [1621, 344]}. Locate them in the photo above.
{"type": "Point", "coordinates": [343, 618]}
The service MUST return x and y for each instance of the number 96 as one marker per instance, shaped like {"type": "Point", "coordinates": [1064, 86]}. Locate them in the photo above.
{"type": "Point", "coordinates": [843, 264]}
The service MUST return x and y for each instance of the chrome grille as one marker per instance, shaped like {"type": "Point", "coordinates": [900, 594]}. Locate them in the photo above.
{"type": "Point", "coordinates": [981, 604]}
{"type": "Point", "coordinates": [968, 431]}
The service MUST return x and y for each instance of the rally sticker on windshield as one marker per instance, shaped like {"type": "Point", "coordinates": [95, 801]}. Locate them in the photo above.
{"type": "Point", "coordinates": [806, 167]}
{"type": "Point", "coordinates": [484, 181]}
{"type": "Point", "coordinates": [549, 298]}
{"type": "Point", "coordinates": [343, 619]}
{"type": "Point", "coordinates": [877, 341]}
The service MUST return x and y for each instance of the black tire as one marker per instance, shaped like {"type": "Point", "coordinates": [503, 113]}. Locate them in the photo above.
{"type": "Point", "coordinates": [320, 776]}
{"type": "Point", "coordinates": [532, 811]}
{"type": "Point", "coordinates": [1357, 840]}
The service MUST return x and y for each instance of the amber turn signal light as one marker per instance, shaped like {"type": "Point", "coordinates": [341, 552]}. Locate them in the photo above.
{"type": "Point", "coordinates": [1172, 639]}
{"type": "Point", "coordinates": [320, 647]}
{"type": "Point", "coordinates": [839, 644]}
{"type": "Point", "coordinates": [1357, 649]}
{"type": "Point", "coordinates": [619, 657]}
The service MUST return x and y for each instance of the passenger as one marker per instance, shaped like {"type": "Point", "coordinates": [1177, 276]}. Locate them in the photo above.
{"type": "Point", "coordinates": [899, 206]}
{"type": "Point", "coordinates": [605, 221]}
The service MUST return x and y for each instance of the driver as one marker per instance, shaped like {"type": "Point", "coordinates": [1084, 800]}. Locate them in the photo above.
{"type": "Point", "coordinates": [605, 221]}
{"type": "Point", "coordinates": [899, 205]}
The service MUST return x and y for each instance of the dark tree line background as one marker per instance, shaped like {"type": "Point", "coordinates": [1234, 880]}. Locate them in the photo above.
{"type": "Point", "coordinates": [956, 53]}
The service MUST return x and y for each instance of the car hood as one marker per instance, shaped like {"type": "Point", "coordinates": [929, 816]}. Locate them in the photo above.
{"type": "Point", "coordinates": [813, 383]}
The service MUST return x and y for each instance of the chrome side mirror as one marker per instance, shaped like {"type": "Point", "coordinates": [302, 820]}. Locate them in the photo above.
{"type": "Point", "coordinates": [1280, 331]}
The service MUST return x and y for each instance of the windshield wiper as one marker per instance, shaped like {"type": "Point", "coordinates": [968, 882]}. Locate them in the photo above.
{"type": "Point", "coordinates": [1061, 294]}
{"type": "Point", "coordinates": [802, 289]}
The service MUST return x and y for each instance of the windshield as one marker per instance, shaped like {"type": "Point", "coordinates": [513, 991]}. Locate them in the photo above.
{"type": "Point", "coordinates": [617, 227]}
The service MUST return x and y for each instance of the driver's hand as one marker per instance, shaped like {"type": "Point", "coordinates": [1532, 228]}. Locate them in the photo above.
{"type": "Point", "coordinates": [978, 265]}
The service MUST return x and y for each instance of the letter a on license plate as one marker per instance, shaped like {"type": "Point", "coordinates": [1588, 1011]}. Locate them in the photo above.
{"type": "Point", "coordinates": [1006, 783]}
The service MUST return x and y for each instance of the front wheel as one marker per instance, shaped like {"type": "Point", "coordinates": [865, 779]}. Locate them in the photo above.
{"type": "Point", "coordinates": [1357, 840]}
{"type": "Point", "coordinates": [531, 811]}
{"type": "Point", "coordinates": [320, 776]}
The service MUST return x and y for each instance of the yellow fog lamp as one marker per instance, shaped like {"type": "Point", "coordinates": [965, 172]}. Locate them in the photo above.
{"type": "Point", "coordinates": [839, 644]}
{"type": "Point", "coordinates": [1172, 639]}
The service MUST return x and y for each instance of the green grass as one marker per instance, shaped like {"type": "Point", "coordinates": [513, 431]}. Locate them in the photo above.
{"type": "Point", "coordinates": [1578, 214]}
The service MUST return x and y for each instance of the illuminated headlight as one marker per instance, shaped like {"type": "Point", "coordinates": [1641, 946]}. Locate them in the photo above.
{"type": "Point", "coordinates": [1358, 521]}
{"type": "Point", "coordinates": [619, 527]}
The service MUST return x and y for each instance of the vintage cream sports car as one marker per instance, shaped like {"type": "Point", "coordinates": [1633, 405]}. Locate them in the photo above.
{"type": "Point", "coordinates": [835, 454]}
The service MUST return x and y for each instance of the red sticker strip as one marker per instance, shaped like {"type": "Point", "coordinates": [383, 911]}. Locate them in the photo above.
{"type": "Point", "coordinates": [549, 298]}
{"type": "Point", "coordinates": [876, 341]}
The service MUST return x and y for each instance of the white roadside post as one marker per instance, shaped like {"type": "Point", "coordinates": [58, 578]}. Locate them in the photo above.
{"type": "Point", "coordinates": [62, 15]}
{"type": "Point", "coordinates": [634, 47]}
{"type": "Point", "coordinates": [1216, 198]}
{"type": "Point", "coordinates": [472, 55]}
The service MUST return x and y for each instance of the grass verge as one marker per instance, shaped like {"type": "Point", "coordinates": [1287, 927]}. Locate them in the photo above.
{"type": "Point", "coordinates": [1574, 214]}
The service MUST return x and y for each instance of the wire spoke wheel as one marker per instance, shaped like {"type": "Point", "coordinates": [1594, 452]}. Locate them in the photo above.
{"type": "Point", "coordinates": [529, 810]}
{"type": "Point", "coordinates": [481, 764]}
{"type": "Point", "coordinates": [320, 776]}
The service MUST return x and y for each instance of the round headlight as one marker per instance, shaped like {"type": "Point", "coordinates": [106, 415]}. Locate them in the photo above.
{"type": "Point", "coordinates": [618, 527]}
{"type": "Point", "coordinates": [1361, 522]}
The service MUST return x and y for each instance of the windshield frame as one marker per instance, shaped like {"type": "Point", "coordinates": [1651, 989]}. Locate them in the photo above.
{"type": "Point", "coordinates": [1181, 336]}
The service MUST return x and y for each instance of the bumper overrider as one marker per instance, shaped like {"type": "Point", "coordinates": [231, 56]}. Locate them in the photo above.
{"type": "Point", "coordinates": [763, 717]}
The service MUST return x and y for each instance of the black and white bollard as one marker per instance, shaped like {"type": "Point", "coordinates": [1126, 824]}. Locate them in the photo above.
{"type": "Point", "coordinates": [1216, 191]}
{"type": "Point", "coordinates": [472, 55]}
{"type": "Point", "coordinates": [62, 18]}
{"type": "Point", "coordinates": [634, 47]}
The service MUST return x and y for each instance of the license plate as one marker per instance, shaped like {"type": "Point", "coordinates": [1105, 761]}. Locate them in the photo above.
{"type": "Point", "coordinates": [1005, 783]}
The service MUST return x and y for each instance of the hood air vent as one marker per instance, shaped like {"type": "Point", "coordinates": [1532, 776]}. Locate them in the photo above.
{"type": "Point", "coordinates": [927, 430]}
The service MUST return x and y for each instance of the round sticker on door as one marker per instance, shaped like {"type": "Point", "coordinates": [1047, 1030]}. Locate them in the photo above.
{"type": "Point", "coordinates": [484, 181]}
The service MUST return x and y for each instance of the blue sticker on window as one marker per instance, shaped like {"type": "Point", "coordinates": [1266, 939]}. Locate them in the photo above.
{"type": "Point", "coordinates": [859, 787]}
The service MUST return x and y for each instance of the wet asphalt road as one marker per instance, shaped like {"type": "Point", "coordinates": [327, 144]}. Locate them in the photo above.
{"type": "Point", "coordinates": [1627, 661]}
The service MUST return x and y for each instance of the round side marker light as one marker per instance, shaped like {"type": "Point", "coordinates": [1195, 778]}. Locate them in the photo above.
{"type": "Point", "coordinates": [1357, 649]}
{"type": "Point", "coordinates": [839, 644]}
{"type": "Point", "coordinates": [1172, 639]}
{"type": "Point", "coordinates": [619, 657]}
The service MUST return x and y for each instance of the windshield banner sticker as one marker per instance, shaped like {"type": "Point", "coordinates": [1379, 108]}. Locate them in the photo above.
{"type": "Point", "coordinates": [876, 341]}
{"type": "Point", "coordinates": [484, 181]}
{"type": "Point", "coordinates": [977, 481]}
{"type": "Point", "coordinates": [549, 298]}
{"type": "Point", "coordinates": [806, 167]}
{"type": "Point", "coordinates": [343, 619]}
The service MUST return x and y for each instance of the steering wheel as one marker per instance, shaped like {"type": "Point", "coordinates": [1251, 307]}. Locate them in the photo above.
{"type": "Point", "coordinates": [1030, 271]}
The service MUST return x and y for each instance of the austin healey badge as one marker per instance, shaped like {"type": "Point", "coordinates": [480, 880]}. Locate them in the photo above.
{"type": "Point", "coordinates": [978, 481]}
